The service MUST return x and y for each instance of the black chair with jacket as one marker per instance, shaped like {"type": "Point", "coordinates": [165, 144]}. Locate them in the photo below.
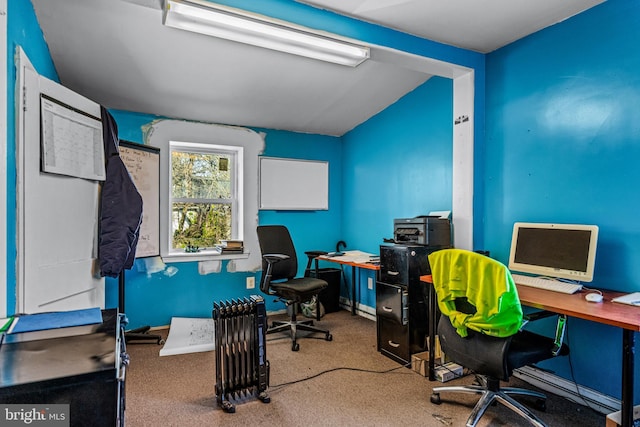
{"type": "Point", "coordinates": [480, 329]}
{"type": "Point", "coordinates": [279, 270]}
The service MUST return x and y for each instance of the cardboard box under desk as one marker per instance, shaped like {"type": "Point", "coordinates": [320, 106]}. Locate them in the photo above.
{"type": "Point", "coordinates": [420, 361]}
{"type": "Point", "coordinates": [613, 419]}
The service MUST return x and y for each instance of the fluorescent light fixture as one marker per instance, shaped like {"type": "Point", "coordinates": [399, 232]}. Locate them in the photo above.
{"type": "Point", "coordinates": [232, 24]}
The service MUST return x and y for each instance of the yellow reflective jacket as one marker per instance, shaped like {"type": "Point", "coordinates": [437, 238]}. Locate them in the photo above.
{"type": "Point", "coordinates": [488, 286]}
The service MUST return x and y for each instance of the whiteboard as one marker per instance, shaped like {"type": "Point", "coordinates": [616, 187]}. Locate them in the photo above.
{"type": "Point", "coordinates": [292, 184]}
{"type": "Point", "coordinates": [143, 164]}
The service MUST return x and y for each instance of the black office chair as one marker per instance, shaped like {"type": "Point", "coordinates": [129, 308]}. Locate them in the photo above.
{"type": "Point", "coordinates": [457, 277]}
{"type": "Point", "coordinates": [279, 268]}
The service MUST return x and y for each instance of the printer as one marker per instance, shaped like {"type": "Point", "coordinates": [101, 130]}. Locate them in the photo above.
{"type": "Point", "coordinates": [431, 231]}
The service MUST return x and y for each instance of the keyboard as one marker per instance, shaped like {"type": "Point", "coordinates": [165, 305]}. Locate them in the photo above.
{"type": "Point", "coordinates": [548, 284]}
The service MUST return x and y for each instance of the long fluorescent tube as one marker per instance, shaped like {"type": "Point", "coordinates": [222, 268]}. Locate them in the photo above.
{"type": "Point", "coordinates": [218, 21]}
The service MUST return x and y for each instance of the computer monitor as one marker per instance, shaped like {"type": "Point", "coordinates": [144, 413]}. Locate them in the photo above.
{"type": "Point", "coordinates": [556, 250]}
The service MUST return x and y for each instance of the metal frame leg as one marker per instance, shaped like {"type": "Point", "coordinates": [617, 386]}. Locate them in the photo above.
{"type": "Point", "coordinates": [628, 352]}
{"type": "Point", "coordinates": [353, 290]}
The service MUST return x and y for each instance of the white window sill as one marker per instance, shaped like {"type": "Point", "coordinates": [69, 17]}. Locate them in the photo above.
{"type": "Point", "coordinates": [202, 256]}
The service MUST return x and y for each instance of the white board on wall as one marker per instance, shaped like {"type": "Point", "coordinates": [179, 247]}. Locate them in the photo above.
{"type": "Point", "coordinates": [292, 184]}
{"type": "Point", "coordinates": [143, 164]}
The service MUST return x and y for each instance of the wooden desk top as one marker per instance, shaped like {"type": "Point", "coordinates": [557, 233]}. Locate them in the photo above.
{"type": "Point", "coordinates": [606, 312]}
{"type": "Point", "coordinates": [367, 265]}
{"type": "Point", "coordinates": [574, 305]}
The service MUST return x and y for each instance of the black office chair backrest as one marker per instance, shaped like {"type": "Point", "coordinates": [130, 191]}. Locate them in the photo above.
{"type": "Point", "coordinates": [275, 239]}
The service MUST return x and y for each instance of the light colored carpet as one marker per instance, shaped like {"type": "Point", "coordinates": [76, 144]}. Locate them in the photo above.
{"type": "Point", "coordinates": [180, 390]}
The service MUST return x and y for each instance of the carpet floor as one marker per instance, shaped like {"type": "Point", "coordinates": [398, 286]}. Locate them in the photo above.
{"type": "Point", "coordinates": [344, 382]}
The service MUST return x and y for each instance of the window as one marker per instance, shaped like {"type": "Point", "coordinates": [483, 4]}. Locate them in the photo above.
{"type": "Point", "coordinates": [208, 190]}
{"type": "Point", "coordinates": [205, 189]}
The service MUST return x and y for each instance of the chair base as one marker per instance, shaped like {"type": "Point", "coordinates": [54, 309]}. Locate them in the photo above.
{"type": "Point", "coordinates": [492, 392]}
{"type": "Point", "coordinates": [294, 325]}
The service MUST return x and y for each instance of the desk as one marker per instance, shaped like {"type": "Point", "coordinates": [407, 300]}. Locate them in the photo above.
{"type": "Point", "coordinates": [623, 316]}
{"type": "Point", "coordinates": [610, 313]}
{"type": "Point", "coordinates": [82, 366]}
{"type": "Point", "coordinates": [356, 260]}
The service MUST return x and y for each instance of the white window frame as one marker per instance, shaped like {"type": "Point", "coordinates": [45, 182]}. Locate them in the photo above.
{"type": "Point", "coordinates": [161, 134]}
{"type": "Point", "coordinates": [237, 187]}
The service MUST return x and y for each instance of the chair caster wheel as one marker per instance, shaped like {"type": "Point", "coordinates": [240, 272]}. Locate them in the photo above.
{"type": "Point", "coordinates": [295, 346]}
{"type": "Point", "coordinates": [541, 405]}
{"type": "Point", "coordinates": [329, 337]}
{"type": "Point", "coordinates": [435, 399]}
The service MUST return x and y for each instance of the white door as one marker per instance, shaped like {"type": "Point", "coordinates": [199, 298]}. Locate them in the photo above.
{"type": "Point", "coordinates": [57, 215]}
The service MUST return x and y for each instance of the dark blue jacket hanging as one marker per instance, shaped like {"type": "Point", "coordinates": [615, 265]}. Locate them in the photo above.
{"type": "Point", "coordinates": [121, 207]}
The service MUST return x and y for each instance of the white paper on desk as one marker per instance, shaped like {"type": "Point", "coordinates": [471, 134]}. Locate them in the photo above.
{"type": "Point", "coordinates": [355, 256]}
{"type": "Point", "coordinates": [189, 335]}
{"type": "Point", "coordinates": [441, 214]}
{"type": "Point", "coordinates": [631, 299]}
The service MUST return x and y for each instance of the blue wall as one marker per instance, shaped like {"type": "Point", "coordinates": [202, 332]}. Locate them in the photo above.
{"type": "Point", "coordinates": [562, 145]}
{"type": "Point", "coordinates": [398, 164]}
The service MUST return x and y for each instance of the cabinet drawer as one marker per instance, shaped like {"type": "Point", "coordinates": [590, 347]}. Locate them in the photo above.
{"type": "Point", "coordinates": [392, 302]}
{"type": "Point", "coordinates": [393, 340]}
{"type": "Point", "coordinates": [394, 265]}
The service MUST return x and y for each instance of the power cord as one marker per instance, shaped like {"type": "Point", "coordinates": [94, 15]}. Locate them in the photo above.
{"type": "Point", "coordinates": [406, 365]}
{"type": "Point", "coordinates": [573, 377]}
{"type": "Point", "coordinates": [340, 369]}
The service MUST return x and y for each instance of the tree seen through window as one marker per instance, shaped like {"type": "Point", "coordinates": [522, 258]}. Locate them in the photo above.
{"type": "Point", "coordinates": [202, 198]}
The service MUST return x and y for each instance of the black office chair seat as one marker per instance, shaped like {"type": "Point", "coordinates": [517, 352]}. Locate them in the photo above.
{"type": "Point", "coordinates": [527, 348]}
{"type": "Point", "coordinates": [301, 289]}
{"type": "Point", "coordinates": [473, 352]}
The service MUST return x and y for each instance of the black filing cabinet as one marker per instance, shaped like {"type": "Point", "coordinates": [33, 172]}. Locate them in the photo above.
{"type": "Point", "coordinates": [82, 366]}
{"type": "Point", "coordinates": [402, 301]}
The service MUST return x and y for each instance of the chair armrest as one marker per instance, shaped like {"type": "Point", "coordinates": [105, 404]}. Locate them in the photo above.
{"type": "Point", "coordinates": [560, 327]}
{"type": "Point", "coordinates": [265, 280]}
{"type": "Point", "coordinates": [537, 315]}
{"type": "Point", "coordinates": [313, 254]}
{"type": "Point", "coordinates": [273, 258]}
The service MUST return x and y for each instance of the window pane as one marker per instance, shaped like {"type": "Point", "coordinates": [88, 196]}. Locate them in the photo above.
{"type": "Point", "coordinates": [200, 224]}
{"type": "Point", "coordinates": [201, 176]}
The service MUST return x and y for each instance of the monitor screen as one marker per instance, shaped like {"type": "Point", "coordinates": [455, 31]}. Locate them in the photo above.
{"type": "Point", "coordinates": [557, 250]}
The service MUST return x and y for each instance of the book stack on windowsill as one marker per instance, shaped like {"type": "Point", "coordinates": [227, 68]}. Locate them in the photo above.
{"type": "Point", "coordinates": [231, 247]}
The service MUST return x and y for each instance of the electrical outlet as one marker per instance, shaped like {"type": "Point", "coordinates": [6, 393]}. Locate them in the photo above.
{"type": "Point", "coordinates": [370, 282]}
{"type": "Point", "coordinates": [251, 282]}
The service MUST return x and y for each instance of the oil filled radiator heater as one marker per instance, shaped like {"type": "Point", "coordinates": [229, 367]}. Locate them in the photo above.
{"type": "Point", "coordinates": [242, 368]}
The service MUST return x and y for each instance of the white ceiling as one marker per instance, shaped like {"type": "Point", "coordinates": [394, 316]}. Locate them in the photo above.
{"type": "Point", "coordinates": [480, 25]}
{"type": "Point", "coordinates": [118, 53]}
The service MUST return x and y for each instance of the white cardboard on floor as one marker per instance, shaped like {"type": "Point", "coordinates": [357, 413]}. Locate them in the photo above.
{"type": "Point", "coordinates": [189, 335]}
